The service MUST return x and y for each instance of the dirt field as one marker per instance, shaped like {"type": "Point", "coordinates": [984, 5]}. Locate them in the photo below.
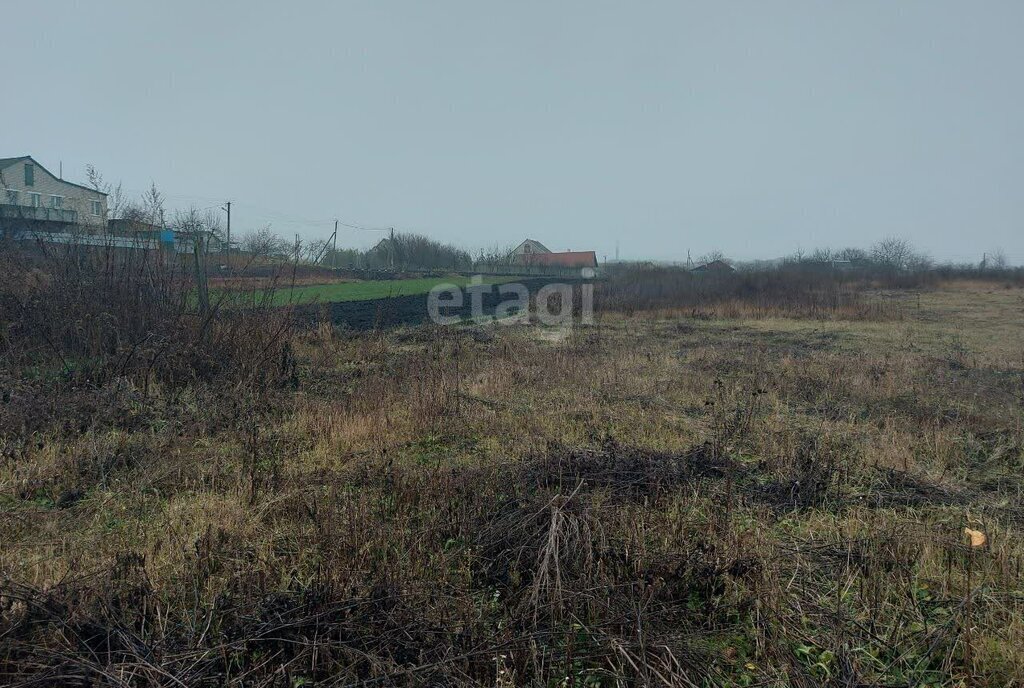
{"type": "Point", "coordinates": [653, 500]}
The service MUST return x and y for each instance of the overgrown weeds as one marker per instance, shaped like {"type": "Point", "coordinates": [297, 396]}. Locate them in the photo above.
{"type": "Point", "coordinates": [677, 502]}
{"type": "Point", "coordinates": [92, 315]}
{"type": "Point", "coordinates": [101, 336]}
{"type": "Point", "coordinates": [748, 294]}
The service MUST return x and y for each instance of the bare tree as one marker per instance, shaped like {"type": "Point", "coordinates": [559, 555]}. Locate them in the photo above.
{"type": "Point", "coordinates": [852, 254]}
{"type": "Point", "coordinates": [822, 255]}
{"type": "Point", "coordinates": [116, 200]}
{"type": "Point", "coordinates": [893, 253]}
{"type": "Point", "coordinates": [134, 212]}
{"type": "Point", "coordinates": [997, 259]}
{"type": "Point", "coordinates": [188, 222]}
{"type": "Point", "coordinates": [315, 250]}
{"type": "Point", "coordinates": [262, 244]}
{"type": "Point", "coordinates": [495, 255]}
{"type": "Point", "coordinates": [919, 261]}
{"type": "Point", "coordinates": [153, 205]}
{"type": "Point", "coordinates": [213, 223]}
{"type": "Point", "coordinates": [407, 250]}
{"type": "Point", "coordinates": [712, 256]}
{"type": "Point", "coordinates": [192, 224]}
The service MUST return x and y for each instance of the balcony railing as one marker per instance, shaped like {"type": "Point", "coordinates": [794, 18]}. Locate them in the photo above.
{"type": "Point", "coordinates": [40, 214]}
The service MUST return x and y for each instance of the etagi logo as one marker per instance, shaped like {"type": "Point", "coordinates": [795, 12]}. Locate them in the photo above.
{"type": "Point", "coordinates": [558, 304]}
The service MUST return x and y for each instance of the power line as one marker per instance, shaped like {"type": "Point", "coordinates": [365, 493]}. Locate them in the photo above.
{"type": "Point", "coordinates": [366, 229]}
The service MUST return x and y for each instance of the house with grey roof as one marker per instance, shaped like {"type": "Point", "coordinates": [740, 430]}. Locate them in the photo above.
{"type": "Point", "coordinates": [32, 198]}
{"type": "Point", "coordinates": [714, 267]}
{"type": "Point", "coordinates": [529, 247]}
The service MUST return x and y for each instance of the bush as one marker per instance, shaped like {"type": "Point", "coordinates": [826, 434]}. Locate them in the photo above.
{"type": "Point", "coordinates": [88, 314]}
{"type": "Point", "coordinates": [403, 252]}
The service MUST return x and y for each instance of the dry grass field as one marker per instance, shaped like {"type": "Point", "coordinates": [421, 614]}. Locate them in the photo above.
{"type": "Point", "coordinates": [673, 498]}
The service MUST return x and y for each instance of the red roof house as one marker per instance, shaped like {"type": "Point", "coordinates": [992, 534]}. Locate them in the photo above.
{"type": "Point", "coordinates": [563, 259]}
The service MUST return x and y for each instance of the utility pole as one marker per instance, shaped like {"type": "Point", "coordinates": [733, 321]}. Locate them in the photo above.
{"type": "Point", "coordinates": [228, 208]}
{"type": "Point", "coordinates": [392, 248]}
{"type": "Point", "coordinates": [334, 250]}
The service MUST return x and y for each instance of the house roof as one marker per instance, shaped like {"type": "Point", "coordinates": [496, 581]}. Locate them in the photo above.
{"type": "Point", "coordinates": [7, 162]}
{"type": "Point", "coordinates": [564, 259]}
{"type": "Point", "coordinates": [715, 266]}
{"type": "Point", "coordinates": [532, 241]}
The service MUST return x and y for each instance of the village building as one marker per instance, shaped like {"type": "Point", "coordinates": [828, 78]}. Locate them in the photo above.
{"type": "Point", "coordinates": [35, 199]}
{"type": "Point", "coordinates": [533, 253]}
{"type": "Point", "coordinates": [715, 267]}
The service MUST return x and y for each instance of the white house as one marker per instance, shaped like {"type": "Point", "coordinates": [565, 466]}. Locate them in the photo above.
{"type": "Point", "coordinates": [32, 197]}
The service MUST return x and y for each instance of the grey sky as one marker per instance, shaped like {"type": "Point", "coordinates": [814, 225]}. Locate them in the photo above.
{"type": "Point", "coordinates": [755, 128]}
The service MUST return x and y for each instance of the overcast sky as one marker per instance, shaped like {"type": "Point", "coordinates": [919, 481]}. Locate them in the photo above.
{"type": "Point", "coordinates": [756, 128]}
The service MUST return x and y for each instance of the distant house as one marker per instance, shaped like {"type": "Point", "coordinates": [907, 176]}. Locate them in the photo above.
{"type": "Point", "coordinates": [532, 252]}
{"type": "Point", "coordinates": [564, 259]}
{"type": "Point", "coordinates": [34, 199]}
{"type": "Point", "coordinates": [185, 241]}
{"type": "Point", "coordinates": [147, 235]}
{"type": "Point", "coordinates": [715, 267]}
{"type": "Point", "coordinates": [529, 247]}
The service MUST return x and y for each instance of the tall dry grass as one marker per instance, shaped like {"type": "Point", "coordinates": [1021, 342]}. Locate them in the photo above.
{"type": "Point", "coordinates": [790, 290]}
{"type": "Point", "coordinates": [640, 502]}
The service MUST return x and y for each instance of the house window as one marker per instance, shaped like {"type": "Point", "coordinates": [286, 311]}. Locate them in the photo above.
{"type": "Point", "coordinates": [30, 175]}
{"type": "Point", "coordinates": [56, 202]}
{"type": "Point", "coordinates": [12, 196]}
{"type": "Point", "coordinates": [34, 199]}
{"type": "Point", "coordinates": [97, 208]}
